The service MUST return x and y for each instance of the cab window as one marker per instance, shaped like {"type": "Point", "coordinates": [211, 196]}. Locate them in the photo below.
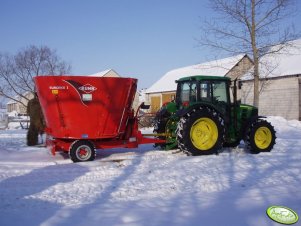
{"type": "Point", "coordinates": [188, 92]}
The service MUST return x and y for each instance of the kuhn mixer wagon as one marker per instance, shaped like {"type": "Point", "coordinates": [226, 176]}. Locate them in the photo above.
{"type": "Point", "coordinates": [86, 113]}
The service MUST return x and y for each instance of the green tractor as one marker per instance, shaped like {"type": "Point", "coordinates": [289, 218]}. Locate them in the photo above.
{"type": "Point", "coordinates": [202, 119]}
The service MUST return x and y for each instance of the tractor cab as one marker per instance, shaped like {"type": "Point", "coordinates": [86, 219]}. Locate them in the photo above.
{"type": "Point", "coordinates": [206, 90]}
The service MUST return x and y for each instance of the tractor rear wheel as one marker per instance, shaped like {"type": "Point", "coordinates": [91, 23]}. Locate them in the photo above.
{"type": "Point", "coordinates": [201, 132]}
{"type": "Point", "coordinates": [261, 137]}
{"type": "Point", "coordinates": [82, 151]}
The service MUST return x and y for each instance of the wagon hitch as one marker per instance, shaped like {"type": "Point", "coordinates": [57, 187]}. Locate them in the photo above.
{"type": "Point", "coordinates": [170, 141]}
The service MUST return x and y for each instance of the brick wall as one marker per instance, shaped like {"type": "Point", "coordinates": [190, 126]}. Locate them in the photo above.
{"type": "Point", "coordinates": [278, 97]}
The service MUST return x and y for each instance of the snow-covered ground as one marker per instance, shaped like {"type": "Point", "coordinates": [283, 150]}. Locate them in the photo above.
{"type": "Point", "coordinates": [144, 186]}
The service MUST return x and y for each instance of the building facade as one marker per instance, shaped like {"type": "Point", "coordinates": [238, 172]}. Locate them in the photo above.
{"type": "Point", "coordinates": [279, 96]}
{"type": "Point", "coordinates": [280, 83]}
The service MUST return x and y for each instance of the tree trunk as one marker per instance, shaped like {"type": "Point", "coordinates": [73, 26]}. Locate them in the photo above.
{"type": "Point", "coordinates": [255, 58]}
{"type": "Point", "coordinates": [256, 82]}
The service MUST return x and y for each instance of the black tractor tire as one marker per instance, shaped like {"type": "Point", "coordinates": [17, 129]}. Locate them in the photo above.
{"type": "Point", "coordinates": [201, 132]}
{"type": "Point", "coordinates": [82, 151]}
{"type": "Point", "coordinates": [261, 137]}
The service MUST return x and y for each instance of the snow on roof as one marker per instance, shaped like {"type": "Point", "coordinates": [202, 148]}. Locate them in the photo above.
{"type": "Point", "coordinates": [212, 68]}
{"type": "Point", "coordinates": [103, 73]}
{"type": "Point", "coordinates": [286, 62]}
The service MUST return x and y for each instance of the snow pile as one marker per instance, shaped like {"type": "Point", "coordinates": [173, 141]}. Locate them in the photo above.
{"type": "Point", "coordinates": [147, 187]}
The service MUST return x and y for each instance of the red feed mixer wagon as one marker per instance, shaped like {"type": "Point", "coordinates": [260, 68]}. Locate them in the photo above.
{"type": "Point", "coordinates": [84, 113]}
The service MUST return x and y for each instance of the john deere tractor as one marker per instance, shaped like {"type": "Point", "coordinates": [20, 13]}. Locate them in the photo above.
{"type": "Point", "coordinates": [202, 119]}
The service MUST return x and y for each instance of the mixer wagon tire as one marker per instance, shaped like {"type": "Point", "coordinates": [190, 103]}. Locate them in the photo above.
{"type": "Point", "coordinates": [82, 151]}
{"type": "Point", "coordinates": [160, 127]}
{"type": "Point", "coordinates": [201, 132]}
{"type": "Point", "coordinates": [261, 137]}
{"type": "Point", "coordinates": [160, 122]}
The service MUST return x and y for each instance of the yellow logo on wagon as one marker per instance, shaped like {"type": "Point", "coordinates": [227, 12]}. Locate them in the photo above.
{"type": "Point", "coordinates": [55, 91]}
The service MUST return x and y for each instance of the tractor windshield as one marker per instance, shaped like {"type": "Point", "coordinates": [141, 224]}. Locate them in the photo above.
{"type": "Point", "coordinates": [188, 92]}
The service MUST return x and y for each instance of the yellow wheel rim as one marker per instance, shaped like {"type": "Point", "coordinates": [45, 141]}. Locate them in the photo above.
{"type": "Point", "coordinates": [204, 134]}
{"type": "Point", "coordinates": [263, 137]}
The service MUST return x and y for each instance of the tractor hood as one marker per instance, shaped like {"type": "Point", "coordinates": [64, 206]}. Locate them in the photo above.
{"type": "Point", "coordinates": [248, 111]}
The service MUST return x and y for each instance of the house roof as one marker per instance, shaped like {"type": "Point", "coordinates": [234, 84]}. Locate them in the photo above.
{"type": "Point", "coordinates": [283, 63]}
{"type": "Point", "coordinates": [212, 68]}
{"type": "Point", "coordinates": [104, 73]}
{"type": "Point", "coordinates": [11, 102]}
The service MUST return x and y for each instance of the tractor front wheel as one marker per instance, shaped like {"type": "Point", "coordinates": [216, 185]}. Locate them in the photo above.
{"type": "Point", "coordinates": [261, 137]}
{"type": "Point", "coordinates": [201, 132]}
{"type": "Point", "coordinates": [82, 151]}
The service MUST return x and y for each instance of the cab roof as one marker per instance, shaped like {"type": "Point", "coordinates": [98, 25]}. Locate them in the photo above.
{"type": "Point", "coordinates": [203, 78]}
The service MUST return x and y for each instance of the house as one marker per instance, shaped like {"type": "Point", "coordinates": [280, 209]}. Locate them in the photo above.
{"type": "Point", "coordinates": [280, 83]}
{"type": "Point", "coordinates": [19, 106]}
{"type": "Point", "coordinates": [164, 90]}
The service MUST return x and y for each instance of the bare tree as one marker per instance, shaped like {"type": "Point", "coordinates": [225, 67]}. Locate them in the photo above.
{"type": "Point", "coordinates": [17, 72]}
{"type": "Point", "coordinates": [255, 27]}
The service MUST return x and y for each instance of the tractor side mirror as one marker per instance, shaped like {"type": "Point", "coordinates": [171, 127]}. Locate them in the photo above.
{"type": "Point", "coordinates": [144, 106]}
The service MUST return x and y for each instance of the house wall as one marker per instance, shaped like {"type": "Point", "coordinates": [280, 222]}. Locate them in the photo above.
{"type": "Point", "coordinates": [156, 100]}
{"type": "Point", "coordinates": [278, 97]}
{"type": "Point", "coordinates": [111, 73]}
{"type": "Point", "coordinates": [240, 68]}
{"type": "Point", "coordinates": [12, 107]}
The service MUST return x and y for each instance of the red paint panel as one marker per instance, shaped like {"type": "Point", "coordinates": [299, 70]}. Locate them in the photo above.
{"type": "Point", "coordinates": [82, 107]}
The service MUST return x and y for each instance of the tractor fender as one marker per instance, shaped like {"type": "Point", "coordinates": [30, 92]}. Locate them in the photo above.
{"type": "Point", "coordinates": [185, 111]}
{"type": "Point", "coordinates": [248, 123]}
